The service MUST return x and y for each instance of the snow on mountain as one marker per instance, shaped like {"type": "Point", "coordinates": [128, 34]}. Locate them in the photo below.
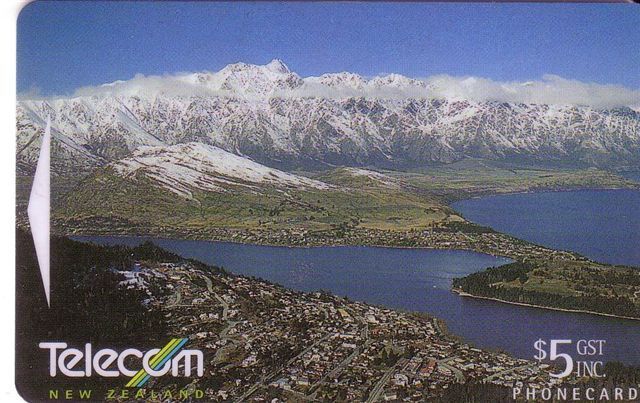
{"type": "Point", "coordinates": [259, 83]}
{"type": "Point", "coordinates": [377, 177]}
{"type": "Point", "coordinates": [344, 80]}
{"type": "Point", "coordinates": [247, 80]}
{"type": "Point", "coordinates": [184, 167]}
{"type": "Point", "coordinates": [396, 81]}
{"type": "Point", "coordinates": [277, 118]}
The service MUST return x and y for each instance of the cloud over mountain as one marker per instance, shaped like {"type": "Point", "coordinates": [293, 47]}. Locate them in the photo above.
{"type": "Point", "coordinates": [552, 89]}
{"type": "Point", "coordinates": [277, 118]}
{"type": "Point", "coordinates": [275, 80]}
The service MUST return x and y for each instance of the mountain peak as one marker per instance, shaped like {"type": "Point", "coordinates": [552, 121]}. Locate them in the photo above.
{"type": "Point", "coordinates": [278, 66]}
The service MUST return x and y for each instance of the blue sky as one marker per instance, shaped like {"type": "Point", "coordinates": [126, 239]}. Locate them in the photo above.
{"type": "Point", "coordinates": [66, 45]}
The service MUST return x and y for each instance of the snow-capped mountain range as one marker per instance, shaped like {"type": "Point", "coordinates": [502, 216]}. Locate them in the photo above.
{"type": "Point", "coordinates": [273, 116]}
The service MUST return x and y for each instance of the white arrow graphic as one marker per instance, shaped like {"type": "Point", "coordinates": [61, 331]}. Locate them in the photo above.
{"type": "Point", "coordinates": [38, 210]}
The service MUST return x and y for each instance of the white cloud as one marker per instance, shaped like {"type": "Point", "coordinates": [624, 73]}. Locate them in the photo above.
{"type": "Point", "coordinates": [31, 93]}
{"type": "Point", "coordinates": [551, 89]}
{"type": "Point", "coordinates": [150, 86]}
{"type": "Point", "coordinates": [314, 89]}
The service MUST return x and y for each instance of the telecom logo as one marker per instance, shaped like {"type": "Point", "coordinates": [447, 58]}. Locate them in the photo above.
{"type": "Point", "coordinates": [109, 363]}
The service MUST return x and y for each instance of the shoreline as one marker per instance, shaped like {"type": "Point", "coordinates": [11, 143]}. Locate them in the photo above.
{"type": "Point", "coordinates": [185, 236]}
{"type": "Point", "coordinates": [457, 291]}
{"type": "Point", "coordinates": [179, 235]}
{"type": "Point", "coordinates": [278, 245]}
{"type": "Point", "coordinates": [465, 294]}
{"type": "Point", "coordinates": [632, 186]}
{"type": "Point", "coordinates": [356, 242]}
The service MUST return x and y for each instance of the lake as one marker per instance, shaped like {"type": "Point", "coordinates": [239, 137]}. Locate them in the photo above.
{"type": "Point", "coordinates": [603, 225]}
{"type": "Point", "coordinates": [411, 279]}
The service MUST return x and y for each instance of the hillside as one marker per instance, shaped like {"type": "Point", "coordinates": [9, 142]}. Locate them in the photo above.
{"type": "Point", "coordinates": [185, 167]}
{"type": "Point", "coordinates": [193, 190]}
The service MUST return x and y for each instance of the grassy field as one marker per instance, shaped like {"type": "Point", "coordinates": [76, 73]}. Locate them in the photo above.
{"type": "Point", "coordinates": [108, 195]}
{"type": "Point", "coordinates": [471, 178]}
{"type": "Point", "coordinates": [401, 201]}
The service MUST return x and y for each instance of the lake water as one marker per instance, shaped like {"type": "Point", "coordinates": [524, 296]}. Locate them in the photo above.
{"type": "Point", "coordinates": [411, 279]}
{"type": "Point", "coordinates": [603, 225]}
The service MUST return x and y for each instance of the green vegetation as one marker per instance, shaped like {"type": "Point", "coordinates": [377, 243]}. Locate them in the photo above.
{"type": "Point", "coordinates": [583, 285]}
{"type": "Point", "coordinates": [135, 202]}
{"type": "Point", "coordinates": [399, 201]}
{"type": "Point", "coordinates": [88, 303]}
{"type": "Point", "coordinates": [472, 178]}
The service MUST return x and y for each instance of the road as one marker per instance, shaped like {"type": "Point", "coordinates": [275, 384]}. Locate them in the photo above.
{"type": "Point", "coordinates": [456, 372]}
{"type": "Point", "coordinates": [338, 368]}
{"type": "Point", "coordinates": [377, 390]}
{"type": "Point", "coordinates": [209, 283]}
{"type": "Point", "coordinates": [225, 306]}
{"type": "Point", "coordinates": [267, 378]}
{"type": "Point", "coordinates": [177, 297]}
{"type": "Point", "coordinates": [507, 371]}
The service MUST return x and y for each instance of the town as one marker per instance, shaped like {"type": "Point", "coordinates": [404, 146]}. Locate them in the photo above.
{"type": "Point", "coordinates": [263, 342]}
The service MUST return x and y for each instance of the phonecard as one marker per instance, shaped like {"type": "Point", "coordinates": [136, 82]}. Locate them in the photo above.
{"type": "Point", "coordinates": [328, 201]}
